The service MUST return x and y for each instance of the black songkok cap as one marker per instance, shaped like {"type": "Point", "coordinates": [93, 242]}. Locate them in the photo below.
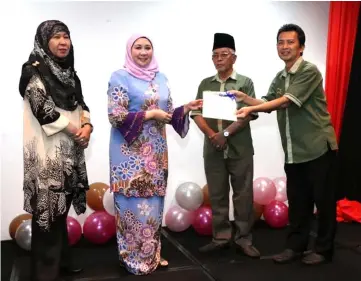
{"type": "Point", "coordinates": [223, 40]}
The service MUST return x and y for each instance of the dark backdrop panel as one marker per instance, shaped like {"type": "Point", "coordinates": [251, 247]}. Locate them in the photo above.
{"type": "Point", "coordinates": [349, 182]}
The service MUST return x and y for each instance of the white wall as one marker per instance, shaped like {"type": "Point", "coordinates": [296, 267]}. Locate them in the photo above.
{"type": "Point", "coordinates": [182, 33]}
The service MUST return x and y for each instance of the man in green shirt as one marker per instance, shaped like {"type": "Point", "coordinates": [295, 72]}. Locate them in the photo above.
{"type": "Point", "coordinates": [309, 143]}
{"type": "Point", "coordinates": [228, 154]}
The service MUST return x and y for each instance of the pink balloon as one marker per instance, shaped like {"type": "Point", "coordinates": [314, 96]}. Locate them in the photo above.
{"type": "Point", "coordinates": [264, 191]}
{"type": "Point", "coordinates": [178, 219]}
{"type": "Point", "coordinates": [281, 187]}
{"type": "Point", "coordinates": [276, 214]}
{"type": "Point", "coordinates": [99, 227]}
{"type": "Point", "coordinates": [74, 230]}
{"type": "Point", "coordinates": [202, 222]}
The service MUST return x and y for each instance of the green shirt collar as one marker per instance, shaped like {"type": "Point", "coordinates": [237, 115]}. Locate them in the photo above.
{"type": "Point", "coordinates": [294, 67]}
{"type": "Point", "coordinates": [233, 76]}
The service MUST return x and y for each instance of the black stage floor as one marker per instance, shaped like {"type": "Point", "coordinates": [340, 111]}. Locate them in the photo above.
{"type": "Point", "coordinates": [187, 264]}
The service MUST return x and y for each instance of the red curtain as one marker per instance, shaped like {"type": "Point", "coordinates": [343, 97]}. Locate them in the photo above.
{"type": "Point", "coordinates": [343, 18]}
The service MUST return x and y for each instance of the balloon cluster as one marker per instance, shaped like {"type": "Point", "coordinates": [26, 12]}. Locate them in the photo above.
{"type": "Point", "coordinates": [192, 209]}
{"type": "Point", "coordinates": [269, 199]}
{"type": "Point", "coordinates": [98, 228]}
{"type": "Point", "coordinates": [20, 230]}
{"type": "Point", "coordinates": [193, 206]}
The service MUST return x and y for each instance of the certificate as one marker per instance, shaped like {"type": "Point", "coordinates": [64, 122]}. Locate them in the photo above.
{"type": "Point", "coordinates": [219, 105]}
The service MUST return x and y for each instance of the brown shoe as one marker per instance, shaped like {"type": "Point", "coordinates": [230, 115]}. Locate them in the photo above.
{"type": "Point", "coordinates": [211, 247]}
{"type": "Point", "coordinates": [249, 250]}
{"type": "Point", "coordinates": [286, 256]}
{"type": "Point", "coordinates": [314, 259]}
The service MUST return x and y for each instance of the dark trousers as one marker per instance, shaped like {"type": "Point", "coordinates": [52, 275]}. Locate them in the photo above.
{"type": "Point", "coordinates": [312, 183]}
{"type": "Point", "coordinates": [49, 249]}
{"type": "Point", "coordinates": [240, 172]}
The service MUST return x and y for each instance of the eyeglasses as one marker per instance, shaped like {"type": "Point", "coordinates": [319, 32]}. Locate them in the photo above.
{"type": "Point", "coordinates": [221, 56]}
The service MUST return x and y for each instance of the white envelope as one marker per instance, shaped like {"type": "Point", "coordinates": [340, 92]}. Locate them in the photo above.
{"type": "Point", "coordinates": [218, 105]}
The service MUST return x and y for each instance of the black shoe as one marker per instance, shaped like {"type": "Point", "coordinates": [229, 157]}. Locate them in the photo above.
{"type": "Point", "coordinates": [249, 250]}
{"type": "Point", "coordinates": [315, 259]}
{"type": "Point", "coordinates": [211, 247]}
{"type": "Point", "coordinates": [69, 270]}
{"type": "Point", "coordinates": [286, 256]}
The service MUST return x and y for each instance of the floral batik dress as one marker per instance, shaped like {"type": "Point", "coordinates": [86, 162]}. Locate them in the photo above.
{"type": "Point", "coordinates": [139, 165]}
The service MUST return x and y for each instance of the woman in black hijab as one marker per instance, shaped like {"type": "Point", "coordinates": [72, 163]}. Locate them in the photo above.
{"type": "Point", "coordinates": [57, 129]}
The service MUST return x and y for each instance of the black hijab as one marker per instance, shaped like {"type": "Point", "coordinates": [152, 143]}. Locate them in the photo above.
{"type": "Point", "coordinates": [58, 75]}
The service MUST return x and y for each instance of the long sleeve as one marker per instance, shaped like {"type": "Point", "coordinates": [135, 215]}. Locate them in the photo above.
{"type": "Point", "coordinates": [180, 121]}
{"type": "Point", "coordinates": [85, 116]}
{"type": "Point", "coordinates": [130, 124]}
{"type": "Point", "coordinates": [43, 108]}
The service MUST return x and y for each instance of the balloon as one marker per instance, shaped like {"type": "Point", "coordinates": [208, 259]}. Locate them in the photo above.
{"type": "Point", "coordinates": [257, 210]}
{"type": "Point", "coordinates": [74, 230]}
{"type": "Point", "coordinates": [276, 214]}
{"type": "Point", "coordinates": [108, 202]}
{"type": "Point", "coordinates": [202, 222]}
{"type": "Point", "coordinates": [99, 227]}
{"type": "Point", "coordinates": [189, 196]}
{"type": "Point", "coordinates": [178, 219]}
{"type": "Point", "coordinates": [23, 235]}
{"type": "Point", "coordinates": [16, 222]}
{"type": "Point", "coordinates": [206, 201]}
{"type": "Point", "coordinates": [94, 196]}
{"type": "Point", "coordinates": [281, 187]}
{"type": "Point", "coordinates": [264, 191]}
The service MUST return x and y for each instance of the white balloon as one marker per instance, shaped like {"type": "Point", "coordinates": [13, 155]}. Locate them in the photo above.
{"type": "Point", "coordinates": [189, 196]}
{"type": "Point", "coordinates": [108, 202]}
{"type": "Point", "coordinates": [23, 235]}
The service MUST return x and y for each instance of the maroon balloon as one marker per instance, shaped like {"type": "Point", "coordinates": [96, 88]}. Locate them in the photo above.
{"type": "Point", "coordinates": [99, 227]}
{"type": "Point", "coordinates": [74, 230]}
{"type": "Point", "coordinates": [276, 214]}
{"type": "Point", "coordinates": [202, 222]}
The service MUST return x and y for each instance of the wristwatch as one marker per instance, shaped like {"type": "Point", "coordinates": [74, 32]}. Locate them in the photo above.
{"type": "Point", "coordinates": [225, 134]}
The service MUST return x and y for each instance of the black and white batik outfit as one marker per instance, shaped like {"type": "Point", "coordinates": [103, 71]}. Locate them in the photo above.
{"type": "Point", "coordinates": [55, 173]}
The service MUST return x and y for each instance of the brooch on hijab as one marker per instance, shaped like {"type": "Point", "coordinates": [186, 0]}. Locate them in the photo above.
{"type": "Point", "coordinates": [36, 63]}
